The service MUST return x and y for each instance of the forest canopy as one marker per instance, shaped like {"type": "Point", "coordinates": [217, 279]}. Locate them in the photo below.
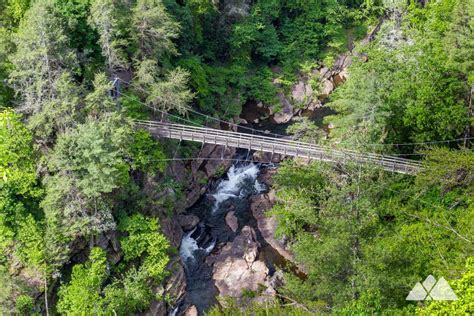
{"type": "Point", "coordinates": [87, 199]}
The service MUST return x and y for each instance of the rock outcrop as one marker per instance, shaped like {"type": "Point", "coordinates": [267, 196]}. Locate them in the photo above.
{"type": "Point", "coordinates": [305, 96]}
{"type": "Point", "coordinates": [232, 221]}
{"type": "Point", "coordinates": [302, 92]}
{"type": "Point", "coordinates": [266, 157]}
{"type": "Point", "coordinates": [267, 226]}
{"type": "Point", "coordinates": [236, 268]}
{"type": "Point", "coordinates": [285, 113]}
{"type": "Point", "coordinates": [203, 169]}
{"type": "Point", "coordinates": [172, 230]}
{"type": "Point", "coordinates": [191, 311]}
{"type": "Point", "coordinates": [174, 287]}
{"type": "Point", "coordinates": [235, 9]}
{"type": "Point", "coordinates": [187, 222]}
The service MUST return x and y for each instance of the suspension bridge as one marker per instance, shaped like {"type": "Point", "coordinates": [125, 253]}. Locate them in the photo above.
{"type": "Point", "coordinates": [275, 145]}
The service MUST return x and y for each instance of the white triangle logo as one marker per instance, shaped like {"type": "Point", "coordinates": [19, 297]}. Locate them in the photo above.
{"type": "Point", "coordinates": [418, 293]}
{"type": "Point", "coordinates": [443, 292]}
{"type": "Point", "coordinates": [432, 290]}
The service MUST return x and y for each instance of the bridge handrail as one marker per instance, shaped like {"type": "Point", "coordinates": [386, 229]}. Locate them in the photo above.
{"type": "Point", "coordinates": [276, 141]}
{"type": "Point", "coordinates": [325, 155]}
{"type": "Point", "coordinates": [343, 154]}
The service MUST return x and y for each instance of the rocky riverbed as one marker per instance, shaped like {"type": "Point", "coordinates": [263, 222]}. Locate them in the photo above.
{"type": "Point", "coordinates": [228, 247]}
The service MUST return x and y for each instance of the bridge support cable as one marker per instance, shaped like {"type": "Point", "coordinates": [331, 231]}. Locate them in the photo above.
{"type": "Point", "coordinates": [278, 145]}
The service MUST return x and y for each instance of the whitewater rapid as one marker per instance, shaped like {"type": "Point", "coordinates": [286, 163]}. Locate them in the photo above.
{"type": "Point", "coordinates": [231, 192]}
{"type": "Point", "coordinates": [233, 186]}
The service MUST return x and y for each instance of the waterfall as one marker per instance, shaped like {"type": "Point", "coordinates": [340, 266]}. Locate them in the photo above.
{"type": "Point", "coordinates": [237, 176]}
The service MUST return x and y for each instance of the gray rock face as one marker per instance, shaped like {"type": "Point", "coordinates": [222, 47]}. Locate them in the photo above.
{"type": "Point", "coordinates": [172, 230]}
{"type": "Point", "coordinates": [191, 311]}
{"type": "Point", "coordinates": [174, 286]}
{"type": "Point", "coordinates": [202, 170]}
{"type": "Point", "coordinates": [286, 112]}
{"type": "Point", "coordinates": [326, 88]}
{"type": "Point", "coordinates": [235, 267]}
{"type": "Point", "coordinates": [211, 167]}
{"type": "Point", "coordinates": [302, 92]}
{"type": "Point", "coordinates": [232, 221]}
{"type": "Point", "coordinates": [267, 226]}
{"type": "Point", "coordinates": [187, 222]}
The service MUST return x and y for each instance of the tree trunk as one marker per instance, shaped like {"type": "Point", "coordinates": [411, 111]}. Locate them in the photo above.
{"type": "Point", "coordinates": [470, 111]}
{"type": "Point", "coordinates": [46, 295]}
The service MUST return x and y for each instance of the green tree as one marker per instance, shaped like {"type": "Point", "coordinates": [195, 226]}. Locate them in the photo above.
{"type": "Point", "coordinates": [130, 294]}
{"type": "Point", "coordinates": [17, 165]}
{"type": "Point", "coordinates": [83, 38]}
{"type": "Point", "coordinates": [164, 94]}
{"type": "Point", "coordinates": [416, 91]}
{"type": "Point", "coordinates": [305, 130]}
{"type": "Point", "coordinates": [21, 227]}
{"type": "Point", "coordinates": [107, 20]}
{"type": "Point", "coordinates": [96, 165]}
{"type": "Point", "coordinates": [87, 163]}
{"type": "Point", "coordinates": [145, 248]}
{"type": "Point", "coordinates": [144, 240]}
{"type": "Point", "coordinates": [464, 289]}
{"type": "Point", "coordinates": [41, 57]}
{"type": "Point", "coordinates": [98, 102]}
{"type": "Point", "coordinates": [82, 294]}
{"type": "Point", "coordinates": [364, 245]}
{"type": "Point", "coordinates": [153, 30]}
{"type": "Point", "coordinates": [58, 114]}
{"type": "Point", "coordinates": [146, 153]}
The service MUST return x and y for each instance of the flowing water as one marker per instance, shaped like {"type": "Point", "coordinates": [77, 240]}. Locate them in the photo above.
{"type": "Point", "coordinates": [230, 193]}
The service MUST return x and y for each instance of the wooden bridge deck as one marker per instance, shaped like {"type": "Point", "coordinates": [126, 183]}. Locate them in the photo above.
{"type": "Point", "coordinates": [278, 145]}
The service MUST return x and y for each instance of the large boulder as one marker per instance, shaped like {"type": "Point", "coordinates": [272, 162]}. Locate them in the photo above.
{"type": "Point", "coordinates": [267, 226]}
{"type": "Point", "coordinates": [302, 92]}
{"type": "Point", "coordinates": [214, 164]}
{"type": "Point", "coordinates": [187, 222]}
{"type": "Point", "coordinates": [285, 114]}
{"type": "Point", "coordinates": [340, 69]}
{"type": "Point", "coordinates": [172, 230]}
{"type": "Point", "coordinates": [266, 176]}
{"type": "Point", "coordinates": [327, 87]}
{"type": "Point", "coordinates": [195, 188]}
{"type": "Point", "coordinates": [236, 268]}
{"type": "Point", "coordinates": [191, 311]}
{"type": "Point", "coordinates": [232, 221]}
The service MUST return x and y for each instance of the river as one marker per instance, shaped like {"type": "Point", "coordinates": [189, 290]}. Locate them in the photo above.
{"type": "Point", "coordinates": [229, 193]}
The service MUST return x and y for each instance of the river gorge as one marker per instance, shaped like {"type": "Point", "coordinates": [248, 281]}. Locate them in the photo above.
{"type": "Point", "coordinates": [225, 254]}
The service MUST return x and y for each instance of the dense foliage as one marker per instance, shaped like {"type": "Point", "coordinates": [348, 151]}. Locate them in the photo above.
{"type": "Point", "coordinates": [79, 230]}
{"type": "Point", "coordinates": [71, 164]}
{"type": "Point", "coordinates": [363, 237]}
{"type": "Point", "coordinates": [416, 85]}
{"type": "Point", "coordinates": [367, 243]}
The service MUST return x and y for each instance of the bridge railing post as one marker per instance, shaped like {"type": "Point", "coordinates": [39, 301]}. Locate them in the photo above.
{"type": "Point", "coordinates": [284, 146]}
